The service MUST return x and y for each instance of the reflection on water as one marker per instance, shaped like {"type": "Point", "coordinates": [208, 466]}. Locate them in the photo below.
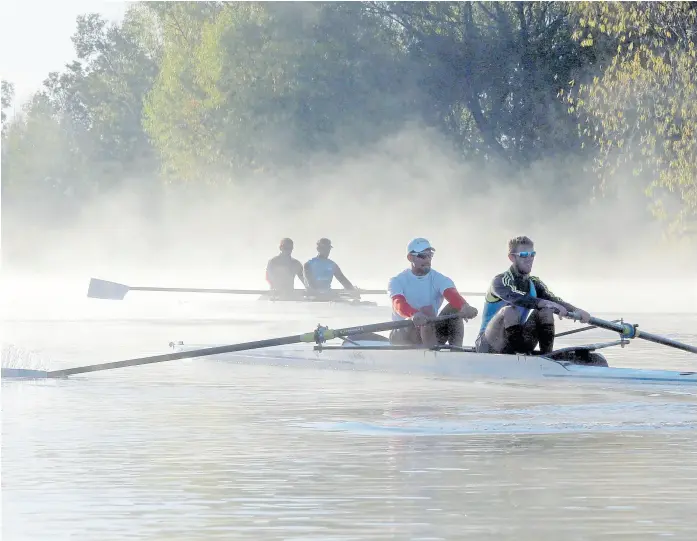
{"type": "Point", "coordinates": [537, 420]}
{"type": "Point", "coordinates": [206, 450]}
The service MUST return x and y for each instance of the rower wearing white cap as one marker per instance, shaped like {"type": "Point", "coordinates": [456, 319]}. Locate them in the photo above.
{"type": "Point", "coordinates": [320, 271]}
{"type": "Point", "coordinates": [417, 294]}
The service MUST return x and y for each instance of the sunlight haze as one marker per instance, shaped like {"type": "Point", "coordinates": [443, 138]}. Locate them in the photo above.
{"type": "Point", "coordinates": [35, 39]}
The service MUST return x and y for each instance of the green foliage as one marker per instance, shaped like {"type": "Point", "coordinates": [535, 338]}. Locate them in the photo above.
{"type": "Point", "coordinates": [641, 112]}
{"type": "Point", "coordinates": [81, 133]}
{"type": "Point", "coordinates": [493, 72]}
{"type": "Point", "coordinates": [7, 92]}
{"type": "Point", "coordinates": [209, 92]}
{"type": "Point", "coordinates": [44, 185]}
{"type": "Point", "coordinates": [254, 86]}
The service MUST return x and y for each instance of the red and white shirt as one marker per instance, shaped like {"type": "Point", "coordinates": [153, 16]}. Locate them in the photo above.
{"type": "Point", "coordinates": [410, 293]}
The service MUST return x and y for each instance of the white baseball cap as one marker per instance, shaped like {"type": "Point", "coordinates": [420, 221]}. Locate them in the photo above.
{"type": "Point", "coordinates": [418, 245]}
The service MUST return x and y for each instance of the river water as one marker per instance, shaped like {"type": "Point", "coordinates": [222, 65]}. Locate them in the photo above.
{"type": "Point", "coordinates": [199, 449]}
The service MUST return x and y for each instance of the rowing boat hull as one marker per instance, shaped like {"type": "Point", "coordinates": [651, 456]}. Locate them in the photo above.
{"type": "Point", "coordinates": [342, 302]}
{"type": "Point", "coordinates": [447, 364]}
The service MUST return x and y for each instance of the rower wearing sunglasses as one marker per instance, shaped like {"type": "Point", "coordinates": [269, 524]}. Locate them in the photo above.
{"type": "Point", "coordinates": [519, 308]}
{"type": "Point", "coordinates": [417, 294]}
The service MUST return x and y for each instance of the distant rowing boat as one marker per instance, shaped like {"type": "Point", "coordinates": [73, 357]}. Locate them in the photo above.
{"type": "Point", "coordinates": [462, 363]}
{"type": "Point", "coordinates": [301, 296]}
{"type": "Point", "coordinates": [103, 289]}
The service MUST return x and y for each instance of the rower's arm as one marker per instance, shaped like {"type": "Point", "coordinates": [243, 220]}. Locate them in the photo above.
{"type": "Point", "coordinates": [544, 293]}
{"type": "Point", "coordinates": [450, 293]}
{"type": "Point", "coordinates": [399, 300]}
{"type": "Point", "coordinates": [299, 273]}
{"type": "Point", "coordinates": [505, 289]}
{"type": "Point", "coordinates": [269, 271]}
{"type": "Point", "coordinates": [402, 307]}
{"type": "Point", "coordinates": [342, 279]}
{"type": "Point", "coordinates": [309, 279]}
{"type": "Point", "coordinates": [454, 298]}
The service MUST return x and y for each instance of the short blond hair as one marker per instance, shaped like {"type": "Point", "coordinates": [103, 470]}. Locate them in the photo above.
{"type": "Point", "coordinates": [517, 241]}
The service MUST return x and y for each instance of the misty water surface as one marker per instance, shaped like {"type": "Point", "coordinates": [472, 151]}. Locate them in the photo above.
{"type": "Point", "coordinates": [201, 449]}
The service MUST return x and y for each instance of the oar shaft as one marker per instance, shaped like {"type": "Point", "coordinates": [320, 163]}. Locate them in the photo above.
{"type": "Point", "coordinates": [319, 335]}
{"type": "Point", "coordinates": [268, 291]}
{"type": "Point", "coordinates": [175, 356]}
{"type": "Point", "coordinates": [627, 330]}
{"type": "Point", "coordinates": [104, 289]}
{"type": "Point", "coordinates": [665, 341]}
{"type": "Point", "coordinates": [384, 292]}
{"type": "Point", "coordinates": [202, 290]}
{"type": "Point", "coordinates": [574, 331]}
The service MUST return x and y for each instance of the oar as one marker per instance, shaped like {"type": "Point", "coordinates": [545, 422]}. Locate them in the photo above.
{"type": "Point", "coordinates": [574, 331]}
{"type": "Point", "coordinates": [384, 292]}
{"type": "Point", "coordinates": [629, 331]}
{"type": "Point", "coordinates": [103, 289]}
{"type": "Point", "coordinates": [320, 335]}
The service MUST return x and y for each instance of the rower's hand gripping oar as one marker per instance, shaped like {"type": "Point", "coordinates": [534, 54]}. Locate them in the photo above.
{"type": "Point", "coordinates": [629, 331]}
{"type": "Point", "coordinates": [320, 335]}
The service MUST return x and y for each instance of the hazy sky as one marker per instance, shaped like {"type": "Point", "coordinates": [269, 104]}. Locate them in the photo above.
{"type": "Point", "coordinates": [35, 38]}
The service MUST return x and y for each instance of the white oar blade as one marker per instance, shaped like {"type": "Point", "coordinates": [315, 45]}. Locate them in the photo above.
{"type": "Point", "coordinates": [23, 373]}
{"type": "Point", "coordinates": [101, 289]}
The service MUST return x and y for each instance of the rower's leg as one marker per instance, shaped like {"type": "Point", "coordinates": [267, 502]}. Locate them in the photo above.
{"type": "Point", "coordinates": [544, 329]}
{"type": "Point", "coordinates": [451, 331]}
{"type": "Point", "coordinates": [516, 333]}
{"type": "Point", "coordinates": [369, 336]}
{"type": "Point", "coordinates": [513, 339]}
{"type": "Point", "coordinates": [503, 333]}
{"type": "Point", "coordinates": [481, 345]}
{"type": "Point", "coordinates": [493, 341]}
{"type": "Point", "coordinates": [456, 332]}
{"type": "Point", "coordinates": [408, 336]}
{"type": "Point", "coordinates": [528, 333]}
{"type": "Point", "coordinates": [429, 336]}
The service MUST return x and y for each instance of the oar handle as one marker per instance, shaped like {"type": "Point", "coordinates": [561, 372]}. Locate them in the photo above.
{"type": "Point", "coordinates": [626, 330]}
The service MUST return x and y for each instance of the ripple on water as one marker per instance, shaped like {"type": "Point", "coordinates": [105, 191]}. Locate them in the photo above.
{"type": "Point", "coordinates": [545, 419]}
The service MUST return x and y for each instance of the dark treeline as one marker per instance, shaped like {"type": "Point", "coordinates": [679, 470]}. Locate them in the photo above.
{"type": "Point", "coordinates": [187, 93]}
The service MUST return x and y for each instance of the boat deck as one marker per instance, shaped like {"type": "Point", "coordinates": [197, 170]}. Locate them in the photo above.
{"type": "Point", "coordinates": [459, 364]}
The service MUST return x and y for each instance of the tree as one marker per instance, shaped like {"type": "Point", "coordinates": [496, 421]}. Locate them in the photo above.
{"type": "Point", "coordinates": [492, 72]}
{"type": "Point", "coordinates": [81, 133]}
{"type": "Point", "coordinates": [248, 86]}
{"type": "Point", "coordinates": [103, 92]}
{"type": "Point", "coordinates": [641, 112]}
{"type": "Point", "coordinates": [42, 169]}
{"type": "Point", "coordinates": [7, 93]}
